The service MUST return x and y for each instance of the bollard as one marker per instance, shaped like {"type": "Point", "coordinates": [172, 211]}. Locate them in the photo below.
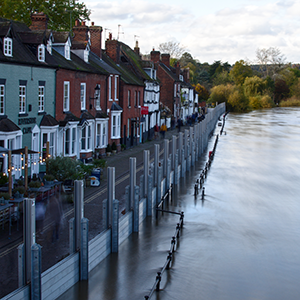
{"type": "Point", "coordinates": [158, 277]}
{"type": "Point", "coordinates": [169, 258]}
{"type": "Point", "coordinates": [36, 271]}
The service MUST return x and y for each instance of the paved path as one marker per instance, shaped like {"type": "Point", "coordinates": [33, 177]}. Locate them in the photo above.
{"type": "Point", "coordinates": [54, 252]}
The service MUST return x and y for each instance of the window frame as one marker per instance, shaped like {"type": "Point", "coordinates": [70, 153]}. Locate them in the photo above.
{"type": "Point", "coordinates": [83, 95]}
{"type": "Point", "coordinates": [22, 99]}
{"type": "Point", "coordinates": [129, 99]}
{"type": "Point", "coordinates": [115, 125]}
{"type": "Point", "coordinates": [109, 88]}
{"type": "Point", "coordinates": [41, 53]}
{"type": "Point", "coordinates": [116, 88]}
{"type": "Point", "coordinates": [7, 46]}
{"type": "Point", "coordinates": [41, 98]}
{"type": "Point", "coordinates": [66, 98]}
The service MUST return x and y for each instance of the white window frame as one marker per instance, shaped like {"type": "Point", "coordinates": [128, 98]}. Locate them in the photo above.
{"type": "Point", "coordinates": [7, 46]}
{"type": "Point", "coordinates": [109, 88]}
{"type": "Point", "coordinates": [49, 46]}
{"type": "Point", "coordinates": [83, 95]}
{"type": "Point", "coordinates": [41, 53]}
{"type": "Point", "coordinates": [101, 134]}
{"type": "Point", "coordinates": [41, 98]}
{"type": "Point", "coordinates": [88, 130]}
{"type": "Point", "coordinates": [66, 96]}
{"type": "Point", "coordinates": [129, 98]}
{"type": "Point", "coordinates": [22, 99]}
{"type": "Point", "coordinates": [116, 87]}
{"type": "Point", "coordinates": [139, 98]}
{"type": "Point", "coordinates": [51, 137]}
{"type": "Point", "coordinates": [2, 99]}
{"type": "Point", "coordinates": [86, 55]}
{"type": "Point", "coordinates": [116, 125]}
{"type": "Point", "coordinates": [175, 89]}
{"type": "Point", "coordinates": [72, 128]}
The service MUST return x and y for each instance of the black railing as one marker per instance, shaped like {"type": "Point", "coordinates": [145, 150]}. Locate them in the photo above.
{"type": "Point", "coordinates": [168, 263]}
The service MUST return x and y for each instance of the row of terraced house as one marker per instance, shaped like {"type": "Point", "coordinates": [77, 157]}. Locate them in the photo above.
{"type": "Point", "coordinates": [62, 91]}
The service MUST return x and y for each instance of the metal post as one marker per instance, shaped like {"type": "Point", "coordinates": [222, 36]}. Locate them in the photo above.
{"type": "Point", "coordinates": [149, 197]}
{"type": "Point", "coordinates": [191, 139]}
{"type": "Point", "coordinates": [127, 198]}
{"type": "Point", "coordinates": [115, 228]}
{"type": "Point", "coordinates": [110, 193]}
{"type": "Point", "coordinates": [176, 169]}
{"type": "Point", "coordinates": [136, 211]}
{"type": "Point", "coordinates": [173, 151]}
{"type": "Point", "coordinates": [156, 162]}
{"type": "Point", "coordinates": [132, 174]}
{"type": "Point", "coordinates": [36, 272]}
{"type": "Point", "coordinates": [29, 234]}
{"type": "Point", "coordinates": [166, 155]}
{"type": "Point", "coordinates": [78, 198]}
{"type": "Point", "coordinates": [72, 245]}
{"type": "Point", "coordinates": [159, 179]}
{"type": "Point", "coordinates": [183, 163]}
{"type": "Point", "coordinates": [21, 265]}
{"type": "Point", "coordinates": [186, 132]}
{"type": "Point", "coordinates": [168, 176]}
{"type": "Point", "coordinates": [146, 171]}
{"type": "Point", "coordinates": [180, 145]}
{"type": "Point", "coordinates": [84, 250]}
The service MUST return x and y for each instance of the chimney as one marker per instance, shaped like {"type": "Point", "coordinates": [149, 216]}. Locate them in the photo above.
{"type": "Point", "coordinates": [136, 48]}
{"type": "Point", "coordinates": [177, 67]}
{"type": "Point", "coordinates": [155, 56]}
{"type": "Point", "coordinates": [39, 21]}
{"type": "Point", "coordinates": [165, 58]}
{"type": "Point", "coordinates": [96, 39]}
{"type": "Point", "coordinates": [186, 75]}
{"type": "Point", "coordinates": [112, 48]}
{"type": "Point", "coordinates": [80, 32]}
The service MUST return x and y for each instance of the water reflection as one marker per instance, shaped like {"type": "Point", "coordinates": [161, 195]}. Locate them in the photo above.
{"type": "Point", "coordinates": [241, 241]}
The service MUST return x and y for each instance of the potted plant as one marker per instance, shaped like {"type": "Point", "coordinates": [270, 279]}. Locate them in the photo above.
{"type": "Point", "coordinates": [108, 150]}
{"type": "Point", "coordinates": [114, 148]}
{"type": "Point", "coordinates": [48, 179]}
{"type": "Point", "coordinates": [3, 179]}
{"type": "Point", "coordinates": [19, 190]}
{"type": "Point", "coordinates": [123, 147]}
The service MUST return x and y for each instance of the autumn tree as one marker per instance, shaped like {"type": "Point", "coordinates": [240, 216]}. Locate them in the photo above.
{"type": "Point", "coordinates": [203, 93]}
{"type": "Point", "coordinates": [173, 48]}
{"type": "Point", "coordinates": [240, 71]}
{"type": "Point", "coordinates": [62, 13]}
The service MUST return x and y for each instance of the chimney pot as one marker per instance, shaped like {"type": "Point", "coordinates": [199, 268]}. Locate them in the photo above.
{"type": "Point", "coordinates": [93, 23]}
{"type": "Point", "coordinates": [77, 23]}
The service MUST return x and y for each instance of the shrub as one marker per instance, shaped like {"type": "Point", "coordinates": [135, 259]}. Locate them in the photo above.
{"type": "Point", "coordinates": [100, 163]}
{"type": "Point", "coordinates": [294, 101]}
{"type": "Point", "coordinates": [3, 178]}
{"type": "Point", "coordinates": [35, 184]}
{"type": "Point", "coordinates": [108, 148]}
{"type": "Point", "coordinates": [113, 146]}
{"type": "Point", "coordinates": [5, 196]}
{"type": "Point", "coordinates": [20, 189]}
{"type": "Point", "coordinates": [49, 177]}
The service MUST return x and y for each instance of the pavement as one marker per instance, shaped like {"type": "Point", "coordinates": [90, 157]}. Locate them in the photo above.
{"type": "Point", "coordinates": [55, 250]}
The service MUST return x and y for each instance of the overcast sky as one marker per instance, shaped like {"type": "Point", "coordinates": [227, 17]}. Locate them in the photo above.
{"type": "Point", "coordinates": [209, 30]}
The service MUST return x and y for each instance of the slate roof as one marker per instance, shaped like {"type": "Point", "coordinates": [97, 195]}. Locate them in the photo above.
{"type": "Point", "coordinates": [6, 125]}
{"type": "Point", "coordinates": [115, 107]}
{"type": "Point", "coordinates": [68, 118]}
{"type": "Point", "coordinates": [101, 115]}
{"type": "Point", "coordinates": [49, 121]}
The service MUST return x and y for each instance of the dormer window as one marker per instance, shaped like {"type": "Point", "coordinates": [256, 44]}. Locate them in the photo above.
{"type": "Point", "coordinates": [41, 53]}
{"type": "Point", "coordinates": [49, 47]}
{"type": "Point", "coordinates": [86, 55]}
{"type": "Point", "coordinates": [7, 46]}
{"type": "Point", "coordinates": [67, 50]}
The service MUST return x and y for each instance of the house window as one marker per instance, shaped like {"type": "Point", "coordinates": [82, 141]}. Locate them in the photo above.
{"type": "Point", "coordinates": [22, 99]}
{"type": "Point", "coordinates": [129, 100]}
{"type": "Point", "coordinates": [104, 135]}
{"type": "Point", "coordinates": [67, 141]}
{"type": "Point", "coordinates": [109, 88]}
{"type": "Point", "coordinates": [70, 141]}
{"type": "Point", "coordinates": [48, 137]}
{"type": "Point", "coordinates": [7, 46]}
{"type": "Point", "coordinates": [66, 96]}
{"type": "Point", "coordinates": [135, 99]}
{"type": "Point", "coordinates": [86, 138]}
{"type": "Point", "coordinates": [82, 95]}
{"type": "Point", "coordinates": [128, 127]}
{"type": "Point", "coordinates": [73, 139]}
{"type": "Point", "coordinates": [41, 53]}
{"type": "Point", "coordinates": [101, 135]}
{"type": "Point", "coordinates": [41, 98]}
{"type": "Point", "coordinates": [175, 89]}
{"type": "Point", "coordinates": [2, 93]}
{"type": "Point", "coordinates": [116, 88]}
{"type": "Point", "coordinates": [116, 118]}
{"type": "Point", "coordinates": [139, 99]}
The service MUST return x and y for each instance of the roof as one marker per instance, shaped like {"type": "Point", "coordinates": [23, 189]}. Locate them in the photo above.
{"type": "Point", "coordinates": [116, 107]}
{"type": "Point", "coordinates": [49, 121]}
{"type": "Point", "coordinates": [101, 115]}
{"type": "Point", "coordinates": [68, 118]}
{"type": "Point", "coordinates": [6, 125]}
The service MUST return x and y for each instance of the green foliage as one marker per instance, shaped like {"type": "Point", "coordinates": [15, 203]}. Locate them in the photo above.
{"type": "Point", "coordinates": [60, 12]}
{"type": "Point", "coordinates": [240, 71]}
{"type": "Point", "coordinates": [258, 102]}
{"type": "Point", "coordinates": [19, 189]}
{"type": "Point", "coordinates": [293, 101]}
{"type": "Point", "coordinates": [34, 184]}
{"type": "Point", "coordinates": [108, 148]}
{"type": "Point", "coordinates": [63, 168]}
{"type": "Point", "coordinates": [5, 195]}
{"type": "Point", "coordinates": [220, 93]}
{"type": "Point", "coordinates": [113, 146]}
{"type": "Point", "coordinates": [49, 177]}
{"type": "Point", "coordinates": [254, 86]}
{"type": "Point", "coordinates": [100, 163]}
{"type": "Point", "coordinates": [202, 91]}
{"type": "Point", "coordinates": [222, 78]}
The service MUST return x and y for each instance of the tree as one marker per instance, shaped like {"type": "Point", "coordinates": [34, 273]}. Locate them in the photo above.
{"type": "Point", "coordinates": [62, 13]}
{"type": "Point", "coordinates": [240, 71]}
{"type": "Point", "coordinates": [254, 86]}
{"type": "Point", "coordinates": [271, 61]}
{"type": "Point", "coordinates": [172, 48]}
{"type": "Point", "coordinates": [202, 92]}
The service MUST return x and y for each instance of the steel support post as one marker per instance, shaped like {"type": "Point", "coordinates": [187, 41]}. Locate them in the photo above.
{"type": "Point", "coordinates": [149, 197]}
{"type": "Point", "coordinates": [36, 272]}
{"type": "Point", "coordinates": [136, 211]}
{"type": "Point", "coordinates": [146, 171]}
{"type": "Point", "coordinates": [180, 145]}
{"type": "Point", "coordinates": [115, 228]}
{"type": "Point", "coordinates": [132, 174]}
{"type": "Point", "coordinates": [84, 249]}
{"type": "Point", "coordinates": [166, 155]}
{"type": "Point", "coordinates": [78, 198]}
{"type": "Point", "coordinates": [156, 163]}
{"type": "Point", "coordinates": [174, 144]}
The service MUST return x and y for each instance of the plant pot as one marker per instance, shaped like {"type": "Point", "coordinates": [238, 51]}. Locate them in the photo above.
{"type": "Point", "coordinates": [114, 151]}
{"type": "Point", "coordinates": [108, 153]}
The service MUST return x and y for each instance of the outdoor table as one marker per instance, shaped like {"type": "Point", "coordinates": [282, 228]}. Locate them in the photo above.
{"type": "Point", "coordinates": [2, 209]}
{"type": "Point", "coordinates": [17, 201]}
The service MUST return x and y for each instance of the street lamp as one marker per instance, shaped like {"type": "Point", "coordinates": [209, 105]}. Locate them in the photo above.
{"type": "Point", "coordinates": [96, 97]}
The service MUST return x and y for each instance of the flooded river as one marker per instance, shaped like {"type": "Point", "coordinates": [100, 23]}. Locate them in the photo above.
{"type": "Point", "coordinates": [241, 242]}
